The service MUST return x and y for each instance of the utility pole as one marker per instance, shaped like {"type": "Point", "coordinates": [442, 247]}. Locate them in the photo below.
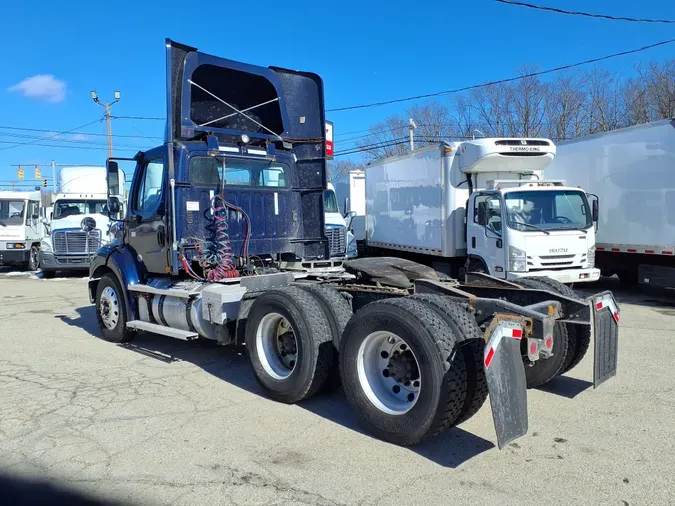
{"type": "Point", "coordinates": [108, 118]}
{"type": "Point", "coordinates": [413, 126]}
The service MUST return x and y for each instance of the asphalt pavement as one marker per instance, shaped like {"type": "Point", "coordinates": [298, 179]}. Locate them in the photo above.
{"type": "Point", "coordinates": [161, 421]}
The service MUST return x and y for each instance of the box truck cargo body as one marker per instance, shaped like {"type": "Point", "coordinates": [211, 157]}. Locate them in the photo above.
{"type": "Point", "coordinates": [483, 206]}
{"type": "Point", "coordinates": [632, 171]}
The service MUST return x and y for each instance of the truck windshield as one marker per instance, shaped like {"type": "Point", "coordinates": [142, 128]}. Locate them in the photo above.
{"type": "Point", "coordinates": [65, 208]}
{"type": "Point", "coordinates": [208, 171]}
{"type": "Point", "coordinates": [330, 204]}
{"type": "Point", "coordinates": [11, 212]}
{"type": "Point", "coordinates": [547, 210]}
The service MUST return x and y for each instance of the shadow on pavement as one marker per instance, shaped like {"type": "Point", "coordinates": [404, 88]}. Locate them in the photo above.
{"type": "Point", "coordinates": [565, 386]}
{"type": "Point", "coordinates": [641, 295]}
{"type": "Point", "coordinates": [85, 320]}
{"type": "Point", "coordinates": [228, 363]}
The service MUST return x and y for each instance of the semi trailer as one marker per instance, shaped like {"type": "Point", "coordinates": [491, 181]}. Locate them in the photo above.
{"type": "Point", "coordinates": [632, 171]}
{"type": "Point", "coordinates": [482, 205]}
{"type": "Point", "coordinates": [208, 249]}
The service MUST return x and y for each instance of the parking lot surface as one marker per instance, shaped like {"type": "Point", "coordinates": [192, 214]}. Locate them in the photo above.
{"type": "Point", "coordinates": [161, 421]}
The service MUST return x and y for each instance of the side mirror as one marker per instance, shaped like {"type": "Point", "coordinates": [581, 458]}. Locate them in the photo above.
{"type": "Point", "coordinates": [113, 179]}
{"type": "Point", "coordinates": [44, 221]}
{"type": "Point", "coordinates": [351, 214]}
{"type": "Point", "coordinates": [113, 205]}
{"type": "Point", "coordinates": [595, 210]}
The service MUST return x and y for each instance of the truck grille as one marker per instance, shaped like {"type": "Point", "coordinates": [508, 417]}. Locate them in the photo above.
{"type": "Point", "coordinates": [76, 241]}
{"type": "Point", "coordinates": [337, 240]}
{"type": "Point", "coordinates": [555, 261]}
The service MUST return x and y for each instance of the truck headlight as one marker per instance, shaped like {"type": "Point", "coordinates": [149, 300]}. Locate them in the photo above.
{"type": "Point", "coordinates": [517, 260]}
{"type": "Point", "coordinates": [46, 247]}
{"type": "Point", "coordinates": [590, 257]}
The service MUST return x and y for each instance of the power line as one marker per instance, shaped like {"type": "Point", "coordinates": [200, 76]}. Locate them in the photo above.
{"type": "Point", "coordinates": [503, 81]}
{"type": "Point", "coordinates": [48, 137]}
{"type": "Point", "coordinates": [138, 117]}
{"type": "Point", "coordinates": [4, 127]}
{"type": "Point", "coordinates": [587, 14]}
{"type": "Point", "coordinates": [70, 147]}
{"type": "Point", "coordinates": [74, 141]}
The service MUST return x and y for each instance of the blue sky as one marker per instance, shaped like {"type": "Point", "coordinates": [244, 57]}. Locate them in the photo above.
{"type": "Point", "coordinates": [366, 51]}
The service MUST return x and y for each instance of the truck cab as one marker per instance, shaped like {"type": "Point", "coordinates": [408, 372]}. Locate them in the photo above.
{"type": "Point", "coordinates": [341, 239]}
{"type": "Point", "coordinates": [82, 198]}
{"type": "Point", "coordinates": [20, 229]}
{"type": "Point", "coordinates": [521, 225]}
{"type": "Point", "coordinates": [532, 230]}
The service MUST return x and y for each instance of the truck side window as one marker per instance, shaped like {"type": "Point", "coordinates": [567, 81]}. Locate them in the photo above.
{"type": "Point", "coordinates": [32, 212]}
{"type": "Point", "coordinates": [488, 213]}
{"type": "Point", "coordinates": [149, 193]}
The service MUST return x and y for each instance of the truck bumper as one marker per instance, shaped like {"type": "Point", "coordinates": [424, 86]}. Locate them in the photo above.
{"type": "Point", "coordinates": [563, 275]}
{"type": "Point", "coordinates": [51, 262]}
{"type": "Point", "coordinates": [14, 257]}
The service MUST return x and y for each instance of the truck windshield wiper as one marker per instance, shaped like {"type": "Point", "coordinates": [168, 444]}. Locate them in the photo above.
{"type": "Point", "coordinates": [533, 226]}
{"type": "Point", "coordinates": [573, 228]}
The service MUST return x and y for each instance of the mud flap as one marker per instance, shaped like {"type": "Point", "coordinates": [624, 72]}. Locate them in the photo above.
{"type": "Point", "coordinates": [605, 321]}
{"type": "Point", "coordinates": [505, 376]}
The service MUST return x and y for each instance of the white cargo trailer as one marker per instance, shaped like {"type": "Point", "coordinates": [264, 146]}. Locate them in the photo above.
{"type": "Point", "coordinates": [632, 171]}
{"type": "Point", "coordinates": [482, 205]}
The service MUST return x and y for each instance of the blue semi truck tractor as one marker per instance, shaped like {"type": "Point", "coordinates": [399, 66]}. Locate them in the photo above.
{"type": "Point", "coordinates": [224, 238]}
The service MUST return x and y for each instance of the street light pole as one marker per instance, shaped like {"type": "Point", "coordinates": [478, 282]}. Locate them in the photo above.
{"type": "Point", "coordinates": [108, 118]}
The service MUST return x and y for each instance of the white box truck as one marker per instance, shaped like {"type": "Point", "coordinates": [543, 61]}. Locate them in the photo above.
{"type": "Point", "coordinates": [482, 206]}
{"type": "Point", "coordinates": [20, 229]}
{"type": "Point", "coordinates": [632, 171]}
{"type": "Point", "coordinates": [81, 197]}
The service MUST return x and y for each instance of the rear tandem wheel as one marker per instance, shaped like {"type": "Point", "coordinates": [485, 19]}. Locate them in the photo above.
{"type": "Point", "coordinates": [402, 371]}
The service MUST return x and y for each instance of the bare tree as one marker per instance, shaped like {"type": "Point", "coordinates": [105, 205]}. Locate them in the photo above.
{"type": "Point", "coordinates": [338, 168]}
{"type": "Point", "coordinates": [568, 105]}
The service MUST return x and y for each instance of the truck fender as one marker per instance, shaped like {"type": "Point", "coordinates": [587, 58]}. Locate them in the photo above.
{"type": "Point", "coordinates": [123, 264]}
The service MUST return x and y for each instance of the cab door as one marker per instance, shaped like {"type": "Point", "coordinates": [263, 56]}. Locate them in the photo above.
{"type": "Point", "coordinates": [485, 232]}
{"type": "Point", "coordinates": [147, 229]}
{"type": "Point", "coordinates": [33, 225]}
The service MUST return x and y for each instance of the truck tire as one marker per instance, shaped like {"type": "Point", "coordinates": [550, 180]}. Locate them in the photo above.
{"type": "Point", "coordinates": [289, 343]}
{"type": "Point", "coordinates": [544, 370]}
{"type": "Point", "coordinates": [401, 370]}
{"type": "Point", "coordinates": [340, 312]}
{"type": "Point", "coordinates": [477, 265]}
{"type": "Point", "coordinates": [111, 311]}
{"type": "Point", "coordinates": [33, 263]}
{"type": "Point", "coordinates": [472, 344]}
{"type": "Point", "coordinates": [580, 335]}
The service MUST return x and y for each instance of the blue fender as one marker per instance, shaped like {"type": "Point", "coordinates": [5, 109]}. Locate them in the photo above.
{"type": "Point", "coordinates": [122, 262]}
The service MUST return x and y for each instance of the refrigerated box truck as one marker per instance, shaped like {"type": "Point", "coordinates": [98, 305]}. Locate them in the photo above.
{"type": "Point", "coordinates": [632, 171]}
{"type": "Point", "coordinates": [482, 206]}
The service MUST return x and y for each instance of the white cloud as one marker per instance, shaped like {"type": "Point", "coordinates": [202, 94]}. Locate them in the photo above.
{"type": "Point", "coordinates": [42, 87]}
{"type": "Point", "coordinates": [79, 137]}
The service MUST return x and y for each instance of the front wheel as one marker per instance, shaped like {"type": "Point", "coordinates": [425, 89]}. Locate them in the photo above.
{"type": "Point", "coordinates": [111, 311]}
{"type": "Point", "coordinates": [33, 259]}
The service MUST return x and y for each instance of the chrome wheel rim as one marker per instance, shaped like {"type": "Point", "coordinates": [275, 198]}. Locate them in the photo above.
{"type": "Point", "coordinates": [389, 373]}
{"type": "Point", "coordinates": [109, 308]}
{"type": "Point", "coordinates": [277, 346]}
